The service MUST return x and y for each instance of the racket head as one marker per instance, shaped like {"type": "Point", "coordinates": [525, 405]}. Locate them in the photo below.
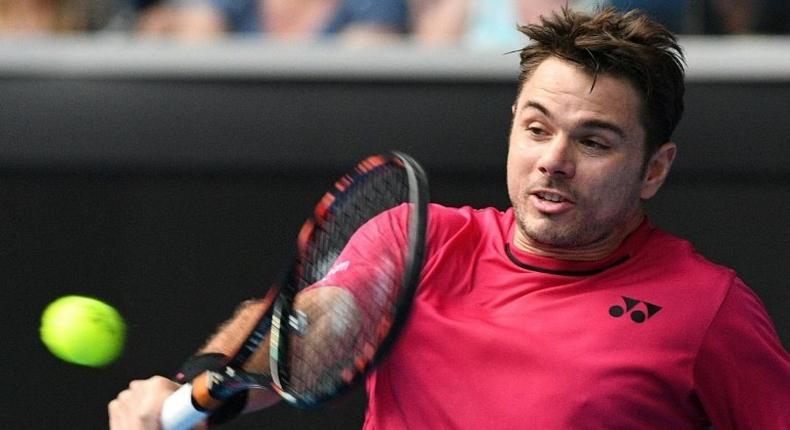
{"type": "Point", "coordinates": [325, 339]}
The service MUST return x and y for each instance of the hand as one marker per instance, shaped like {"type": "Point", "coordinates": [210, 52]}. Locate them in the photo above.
{"type": "Point", "coordinates": [139, 406]}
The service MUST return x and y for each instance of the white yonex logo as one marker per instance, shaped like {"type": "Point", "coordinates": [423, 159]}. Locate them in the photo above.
{"type": "Point", "coordinates": [339, 267]}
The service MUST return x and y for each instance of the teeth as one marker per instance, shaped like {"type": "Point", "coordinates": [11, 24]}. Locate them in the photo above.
{"type": "Point", "coordinates": [550, 197]}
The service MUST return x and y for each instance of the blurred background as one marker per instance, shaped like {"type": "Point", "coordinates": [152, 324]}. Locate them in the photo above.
{"type": "Point", "coordinates": [161, 155]}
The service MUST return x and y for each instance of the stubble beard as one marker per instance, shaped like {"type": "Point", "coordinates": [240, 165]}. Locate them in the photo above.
{"type": "Point", "coordinates": [579, 232]}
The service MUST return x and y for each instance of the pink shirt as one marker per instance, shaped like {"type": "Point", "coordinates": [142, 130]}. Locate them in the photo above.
{"type": "Point", "coordinates": [652, 337]}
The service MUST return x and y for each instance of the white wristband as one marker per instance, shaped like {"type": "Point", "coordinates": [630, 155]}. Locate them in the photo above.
{"type": "Point", "coordinates": [178, 411]}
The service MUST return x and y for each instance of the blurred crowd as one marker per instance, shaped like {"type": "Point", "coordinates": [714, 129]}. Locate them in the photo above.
{"type": "Point", "coordinates": [475, 22]}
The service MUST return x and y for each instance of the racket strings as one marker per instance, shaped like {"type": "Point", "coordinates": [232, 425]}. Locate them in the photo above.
{"type": "Point", "coordinates": [345, 330]}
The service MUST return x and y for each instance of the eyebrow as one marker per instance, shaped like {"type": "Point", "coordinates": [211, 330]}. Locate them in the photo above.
{"type": "Point", "coordinates": [537, 106]}
{"type": "Point", "coordinates": [592, 123]}
{"type": "Point", "coordinates": [605, 125]}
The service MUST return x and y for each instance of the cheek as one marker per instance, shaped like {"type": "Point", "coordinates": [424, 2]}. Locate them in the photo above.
{"type": "Point", "coordinates": [612, 193]}
{"type": "Point", "coordinates": [512, 180]}
{"type": "Point", "coordinates": [520, 156]}
{"type": "Point", "coordinates": [517, 172]}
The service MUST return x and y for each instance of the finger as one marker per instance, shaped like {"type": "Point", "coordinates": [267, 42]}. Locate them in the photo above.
{"type": "Point", "coordinates": [112, 414]}
{"type": "Point", "coordinates": [139, 384]}
{"type": "Point", "coordinates": [118, 415]}
{"type": "Point", "coordinates": [124, 396]}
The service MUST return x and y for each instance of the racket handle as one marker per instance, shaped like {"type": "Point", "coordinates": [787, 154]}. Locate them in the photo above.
{"type": "Point", "coordinates": [179, 411]}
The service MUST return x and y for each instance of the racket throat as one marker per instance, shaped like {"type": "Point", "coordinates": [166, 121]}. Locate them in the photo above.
{"type": "Point", "coordinates": [213, 388]}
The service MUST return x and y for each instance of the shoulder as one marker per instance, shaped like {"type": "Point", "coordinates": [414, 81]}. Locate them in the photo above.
{"type": "Point", "coordinates": [466, 225]}
{"type": "Point", "coordinates": [713, 294]}
{"type": "Point", "coordinates": [676, 255]}
{"type": "Point", "coordinates": [742, 371]}
{"type": "Point", "coordinates": [445, 218]}
{"type": "Point", "coordinates": [667, 271]}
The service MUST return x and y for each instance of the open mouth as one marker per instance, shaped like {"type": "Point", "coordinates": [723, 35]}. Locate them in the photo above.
{"type": "Point", "coordinates": [551, 203]}
{"type": "Point", "coordinates": [550, 197]}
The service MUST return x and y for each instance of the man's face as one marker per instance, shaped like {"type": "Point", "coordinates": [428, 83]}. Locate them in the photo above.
{"type": "Point", "coordinates": [575, 158]}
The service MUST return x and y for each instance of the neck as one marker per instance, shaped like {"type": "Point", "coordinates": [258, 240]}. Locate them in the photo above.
{"type": "Point", "coordinates": [594, 251]}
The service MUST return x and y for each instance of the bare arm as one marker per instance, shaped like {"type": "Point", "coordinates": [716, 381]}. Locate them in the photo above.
{"type": "Point", "coordinates": [140, 405]}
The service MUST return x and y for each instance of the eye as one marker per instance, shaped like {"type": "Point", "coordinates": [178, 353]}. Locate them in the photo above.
{"type": "Point", "coordinates": [536, 130]}
{"type": "Point", "coordinates": [594, 144]}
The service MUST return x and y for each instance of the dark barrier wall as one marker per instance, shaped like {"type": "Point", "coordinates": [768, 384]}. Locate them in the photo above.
{"type": "Point", "coordinates": [173, 196]}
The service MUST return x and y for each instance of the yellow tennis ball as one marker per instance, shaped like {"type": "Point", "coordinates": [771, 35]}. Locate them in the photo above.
{"type": "Point", "coordinates": [83, 330]}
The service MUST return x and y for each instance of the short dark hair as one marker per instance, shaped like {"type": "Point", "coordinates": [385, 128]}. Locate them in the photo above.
{"type": "Point", "coordinates": [624, 45]}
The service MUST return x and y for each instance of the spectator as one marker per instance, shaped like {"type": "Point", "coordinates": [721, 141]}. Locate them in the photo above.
{"type": "Point", "coordinates": [717, 17]}
{"type": "Point", "coordinates": [743, 17]}
{"type": "Point", "coordinates": [673, 14]}
{"type": "Point", "coordinates": [282, 19]}
{"type": "Point", "coordinates": [29, 17]}
{"type": "Point", "coordinates": [476, 23]}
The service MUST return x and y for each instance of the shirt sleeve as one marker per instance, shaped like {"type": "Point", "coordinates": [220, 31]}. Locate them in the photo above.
{"type": "Point", "coordinates": [742, 371]}
{"type": "Point", "coordinates": [371, 265]}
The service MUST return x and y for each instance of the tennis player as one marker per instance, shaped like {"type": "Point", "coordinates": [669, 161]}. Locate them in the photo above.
{"type": "Point", "coordinates": [570, 309]}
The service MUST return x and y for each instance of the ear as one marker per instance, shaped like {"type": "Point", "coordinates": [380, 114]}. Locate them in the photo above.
{"type": "Point", "coordinates": [657, 170]}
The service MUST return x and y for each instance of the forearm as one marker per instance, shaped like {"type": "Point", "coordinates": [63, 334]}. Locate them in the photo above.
{"type": "Point", "coordinates": [140, 405]}
{"type": "Point", "coordinates": [232, 334]}
{"type": "Point", "coordinates": [320, 305]}
{"type": "Point", "coordinates": [223, 345]}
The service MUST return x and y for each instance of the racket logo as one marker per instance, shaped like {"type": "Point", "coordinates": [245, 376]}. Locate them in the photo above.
{"type": "Point", "coordinates": [638, 314]}
{"type": "Point", "coordinates": [216, 379]}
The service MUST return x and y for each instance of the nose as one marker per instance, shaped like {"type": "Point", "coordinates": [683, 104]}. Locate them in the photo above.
{"type": "Point", "coordinates": [557, 158]}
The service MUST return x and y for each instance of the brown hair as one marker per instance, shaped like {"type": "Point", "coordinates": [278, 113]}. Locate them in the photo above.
{"type": "Point", "coordinates": [624, 45]}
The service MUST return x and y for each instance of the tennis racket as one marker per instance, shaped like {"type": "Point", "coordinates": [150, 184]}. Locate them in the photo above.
{"type": "Point", "coordinates": [342, 301]}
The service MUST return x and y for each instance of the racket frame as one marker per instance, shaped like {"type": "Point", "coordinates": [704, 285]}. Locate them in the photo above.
{"type": "Point", "coordinates": [283, 316]}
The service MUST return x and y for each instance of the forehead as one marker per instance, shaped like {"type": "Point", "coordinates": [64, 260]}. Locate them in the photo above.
{"type": "Point", "coordinates": [570, 88]}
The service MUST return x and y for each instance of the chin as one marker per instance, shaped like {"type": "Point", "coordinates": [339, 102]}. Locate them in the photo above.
{"type": "Point", "coordinates": [552, 233]}
{"type": "Point", "coordinates": [557, 238]}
